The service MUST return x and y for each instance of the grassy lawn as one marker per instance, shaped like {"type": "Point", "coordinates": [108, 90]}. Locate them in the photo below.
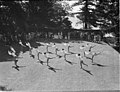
{"type": "Point", "coordinates": [35, 76]}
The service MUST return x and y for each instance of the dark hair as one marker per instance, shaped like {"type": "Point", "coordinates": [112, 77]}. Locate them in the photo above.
{"type": "Point", "coordinates": [78, 54]}
{"type": "Point", "coordinates": [44, 52]}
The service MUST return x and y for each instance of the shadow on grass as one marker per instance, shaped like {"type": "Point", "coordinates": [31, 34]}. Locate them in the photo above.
{"type": "Point", "coordinates": [5, 57]}
{"type": "Point", "coordinates": [4, 88]}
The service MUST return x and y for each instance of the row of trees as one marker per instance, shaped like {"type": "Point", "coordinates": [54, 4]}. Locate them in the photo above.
{"type": "Point", "coordinates": [99, 13]}
{"type": "Point", "coordinates": [22, 17]}
{"type": "Point", "coordinates": [18, 18]}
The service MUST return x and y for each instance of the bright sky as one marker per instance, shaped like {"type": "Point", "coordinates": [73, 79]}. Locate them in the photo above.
{"type": "Point", "coordinates": [75, 9]}
{"type": "Point", "coordinates": [74, 20]}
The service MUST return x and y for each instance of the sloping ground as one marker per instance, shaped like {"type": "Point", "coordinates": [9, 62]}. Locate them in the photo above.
{"type": "Point", "coordinates": [71, 78]}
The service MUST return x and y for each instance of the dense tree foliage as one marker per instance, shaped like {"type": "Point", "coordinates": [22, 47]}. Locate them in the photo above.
{"type": "Point", "coordinates": [102, 13]}
{"type": "Point", "coordinates": [19, 18]}
{"type": "Point", "coordinates": [23, 17]}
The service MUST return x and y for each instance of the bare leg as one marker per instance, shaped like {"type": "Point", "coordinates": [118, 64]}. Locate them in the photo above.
{"type": "Point", "coordinates": [84, 63]}
{"type": "Point", "coordinates": [48, 50]}
{"type": "Point", "coordinates": [81, 62]}
{"type": "Point", "coordinates": [93, 63]}
{"type": "Point", "coordinates": [53, 69]}
{"type": "Point", "coordinates": [57, 54]}
{"type": "Point", "coordinates": [49, 67]}
{"type": "Point", "coordinates": [40, 61]}
{"type": "Point", "coordinates": [68, 61]}
{"type": "Point", "coordinates": [70, 51]}
{"type": "Point", "coordinates": [16, 61]}
{"type": "Point", "coordinates": [31, 55]}
{"type": "Point", "coordinates": [91, 58]}
{"type": "Point", "coordinates": [91, 47]}
{"type": "Point", "coordinates": [48, 61]}
{"type": "Point", "coordinates": [16, 66]}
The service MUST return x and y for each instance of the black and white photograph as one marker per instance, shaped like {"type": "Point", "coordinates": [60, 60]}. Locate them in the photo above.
{"type": "Point", "coordinates": [59, 46]}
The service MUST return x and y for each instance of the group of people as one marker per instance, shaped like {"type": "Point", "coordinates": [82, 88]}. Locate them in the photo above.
{"type": "Point", "coordinates": [47, 54]}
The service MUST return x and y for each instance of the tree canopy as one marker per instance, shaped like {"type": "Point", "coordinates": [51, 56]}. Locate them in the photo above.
{"type": "Point", "coordinates": [102, 13]}
{"type": "Point", "coordinates": [27, 16]}
{"type": "Point", "coordinates": [23, 17]}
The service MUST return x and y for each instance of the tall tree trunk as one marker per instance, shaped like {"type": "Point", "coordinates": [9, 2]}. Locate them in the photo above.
{"type": "Point", "coordinates": [86, 11]}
